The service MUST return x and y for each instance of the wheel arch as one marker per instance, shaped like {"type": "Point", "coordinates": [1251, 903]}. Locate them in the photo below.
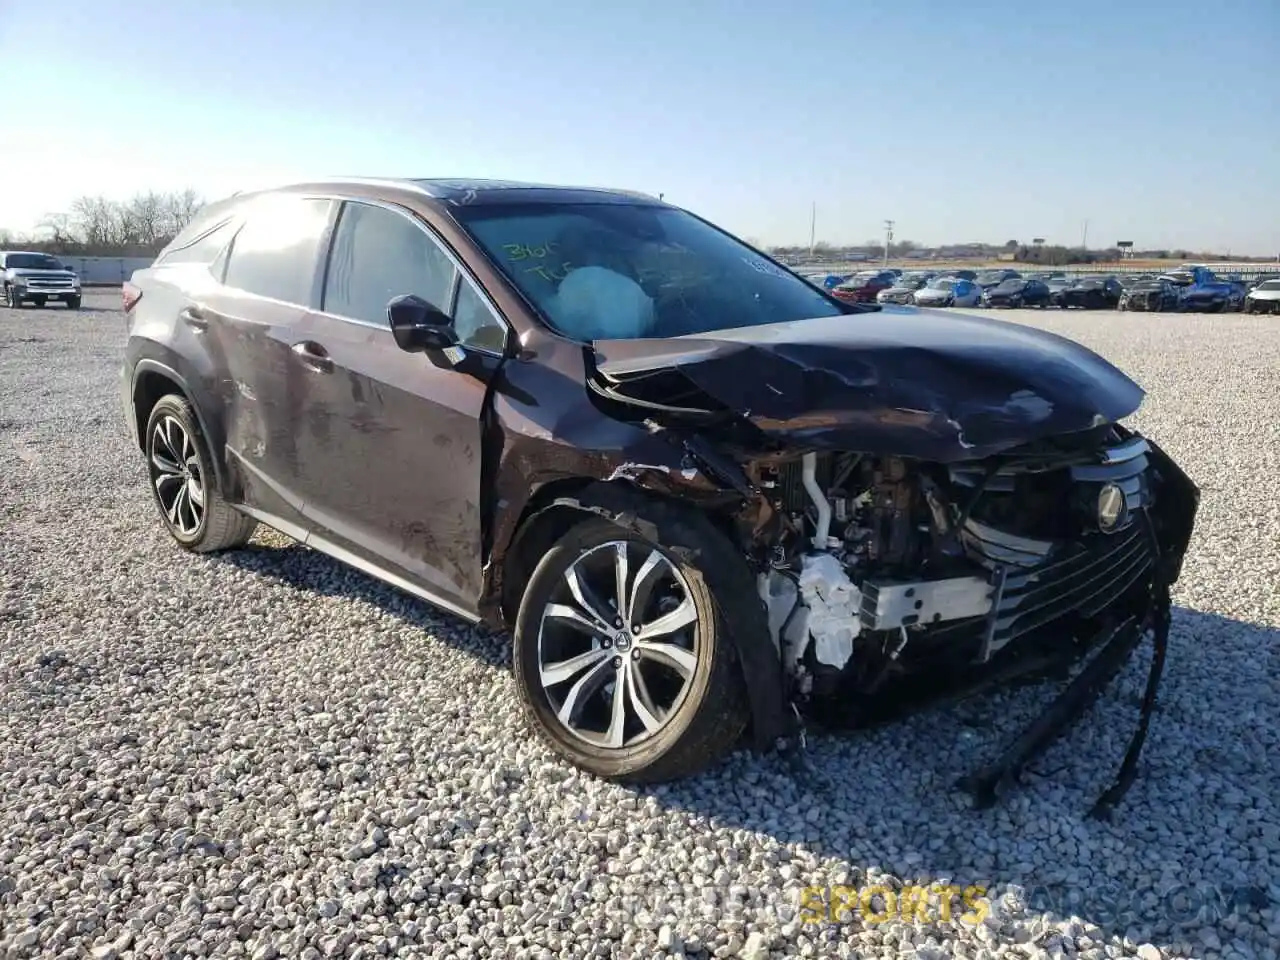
{"type": "Point", "coordinates": [560, 504]}
{"type": "Point", "coordinates": [153, 380]}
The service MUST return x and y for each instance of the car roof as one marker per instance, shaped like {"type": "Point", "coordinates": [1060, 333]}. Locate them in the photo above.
{"type": "Point", "coordinates": [455, 191]}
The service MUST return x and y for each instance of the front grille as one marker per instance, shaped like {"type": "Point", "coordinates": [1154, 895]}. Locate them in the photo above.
{"type": "Point", "coordinates": [1084, 583]}
{"type": "Point", "coordinates": [49, 283]}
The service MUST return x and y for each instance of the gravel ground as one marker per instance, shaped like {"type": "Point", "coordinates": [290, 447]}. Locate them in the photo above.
{"type": "Point", "coordinates": [265, 754]}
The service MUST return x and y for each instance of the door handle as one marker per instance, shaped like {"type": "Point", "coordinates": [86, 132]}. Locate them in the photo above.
{"type": "Point", "coordinates": [314, 356]}
{"type": "Point", "coordinates": [194, 318]}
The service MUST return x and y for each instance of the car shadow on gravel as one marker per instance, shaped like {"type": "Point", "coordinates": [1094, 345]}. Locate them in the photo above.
{"type": "Point", "coordinates": [878, 807]}
{"type": "Point", "coordinates": [1186, 851]}
{"type": "Point", "coordinates": [313, 572]}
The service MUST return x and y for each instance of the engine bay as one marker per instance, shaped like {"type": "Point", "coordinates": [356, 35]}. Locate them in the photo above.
{"type": "Point", "coordinates": [884, 563]}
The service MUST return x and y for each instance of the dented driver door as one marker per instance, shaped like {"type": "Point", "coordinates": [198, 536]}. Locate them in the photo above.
{"type": "Point", "coordinates": [390, 444]}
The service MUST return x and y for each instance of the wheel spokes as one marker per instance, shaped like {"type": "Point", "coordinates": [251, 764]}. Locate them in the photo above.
{"type": "Point", "coordinates": [669, 623]}
{"type": "Point", "coordinates": [620, 579]}
{"type": "Point", "coordinates": [572, 617]}
{"type": "Point", "coordinates": [553, 673]}
{"type": "Point", "coordinates": [176, 474]}
{"type": "Point", "coordinates": [586, 599]}
{"type": "Point", "coordinates": [646, 578]}
{"type": "Point", "coordinates": [641, 700]}
{"type": "Point", "coordinates": [679, 659]}
{"type": "Point", "coordinates": [611, 679]}
{"type": "Point", "coordinates": [616, 735]}
{"type": "Point", "coordinates": [580, 692]}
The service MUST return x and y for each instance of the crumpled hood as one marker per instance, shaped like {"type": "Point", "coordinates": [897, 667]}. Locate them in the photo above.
{"type": "Point", "coordinates": [935, 385]}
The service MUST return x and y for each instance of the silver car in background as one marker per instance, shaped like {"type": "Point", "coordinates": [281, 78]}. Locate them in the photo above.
{"type": "Point", "coordinates": [1264, 298]}
{"type": "Point", "coordinates": [904, 290]}
{"type": "Point", "coordinates": [948, 292]}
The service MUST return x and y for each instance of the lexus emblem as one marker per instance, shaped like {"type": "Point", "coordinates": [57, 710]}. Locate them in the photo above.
{"type": "Point", "coordinates": [1111, 508]}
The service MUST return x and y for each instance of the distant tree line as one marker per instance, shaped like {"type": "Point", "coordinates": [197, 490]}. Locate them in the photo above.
{"type": "Point", "coordinates": [101, 227]}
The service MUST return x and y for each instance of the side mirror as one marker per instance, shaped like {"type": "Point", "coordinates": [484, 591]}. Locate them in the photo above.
{"type": "Point", "coordinates": [419, 326]}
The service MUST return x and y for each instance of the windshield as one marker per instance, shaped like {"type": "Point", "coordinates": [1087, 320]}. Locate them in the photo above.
{"type": "Point", "coordinates": [629, 271]}
{"type": "Point", "coordinates": [943, 283]}
{"type": "Point", "coordinates": [33, 261]}
{"type": "Point", "coordinates": [1269, 285]}
{"type": "Point", "coordinates": [1011, 284]}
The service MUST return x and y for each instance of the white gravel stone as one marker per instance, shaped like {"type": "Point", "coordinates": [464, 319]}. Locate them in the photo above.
{"type": "Point", "coordinates": [265, 754]}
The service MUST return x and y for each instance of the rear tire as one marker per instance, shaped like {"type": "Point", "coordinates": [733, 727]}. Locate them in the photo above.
{"type": "Point", "coordinates": [184, 485]}
{"type": "Point", "coordinates": [688, 708]}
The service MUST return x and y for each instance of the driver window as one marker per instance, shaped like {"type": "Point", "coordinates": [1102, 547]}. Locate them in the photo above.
{"type": "Point", "coordinates": [379, 254]}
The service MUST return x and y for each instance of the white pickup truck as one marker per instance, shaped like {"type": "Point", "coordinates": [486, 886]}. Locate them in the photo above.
{"type": "Point", "coordinates": [30, 277]}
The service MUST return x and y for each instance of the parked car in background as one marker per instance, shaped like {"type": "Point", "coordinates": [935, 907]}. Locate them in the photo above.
{"type": "Point", "coordinates": [1264, 298]}
{"type": "Point", "coordinates": [863, 287]}
{"type": "Point", "coordinates": [604, 424]}
{"type": "Point", "coordinates": [39, 278]}
{"type": "Point", "coordinates": [1089, 293]}
{"type": "Point", "coordinates": [1018, 292]}
{"type": "Point", "coordinates": [1058, 284]}
{"type": "Point", "coordinates": [1200, 290]}
{"type": "Point", "coordinates": [990, 279]}
{"type": "Point", "coordinates": [1150, 294]}
{"type": "Point", "coordinates": [903, 291]}
{"type": "Point", "coordinates": [948, 292]}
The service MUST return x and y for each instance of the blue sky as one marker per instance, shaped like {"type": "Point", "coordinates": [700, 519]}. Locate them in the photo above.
{"type": "Point", "coordinates": [1156, 122]}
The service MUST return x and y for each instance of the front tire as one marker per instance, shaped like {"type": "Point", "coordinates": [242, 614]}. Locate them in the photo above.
{"type": "Point", "coordinates": [623, 657]}
{"type": "Point", "coordinates": [184, 485]}
{"type": "Point", "coordinates": [12, 298]}
{"type": "Point", "coordinates": [73, 303]}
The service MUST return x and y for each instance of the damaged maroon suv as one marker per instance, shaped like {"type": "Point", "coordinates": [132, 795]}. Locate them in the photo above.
{"type": "Point", "coordinates": [707, 498]}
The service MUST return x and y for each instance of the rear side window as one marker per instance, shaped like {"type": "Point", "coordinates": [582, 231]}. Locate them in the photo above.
{"type": "Point", "coordinates": [274, 254]}
{"type": "Point", "coordinates": [379, 254]}
{"type": "Point", "coordinates": [202, 250]}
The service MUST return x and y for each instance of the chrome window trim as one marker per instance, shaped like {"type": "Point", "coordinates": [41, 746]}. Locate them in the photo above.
{"type": "Point", "coordinates": [463, 272]}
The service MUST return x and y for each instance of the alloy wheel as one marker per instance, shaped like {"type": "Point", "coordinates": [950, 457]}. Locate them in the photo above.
{"type": "Point", "coordinates": [617, 649]}
{"type": "Point", "coordinates": [177, 476]}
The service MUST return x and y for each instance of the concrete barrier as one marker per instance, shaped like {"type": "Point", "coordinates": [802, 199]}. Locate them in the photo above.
{"type": "Point", "coordinates": [107, 271]}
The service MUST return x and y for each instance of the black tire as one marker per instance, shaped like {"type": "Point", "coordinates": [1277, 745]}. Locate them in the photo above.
{"type": "Point", "coordinates": [219, 526]}
{"type": "Point", "coordinates": [73, 303]}
{"type": "Point", "coordinates": [711, 713]}
{"type": "Point", "coordinates": [39, 301]}
{"type": "Point", "coordinates": [11, 298]}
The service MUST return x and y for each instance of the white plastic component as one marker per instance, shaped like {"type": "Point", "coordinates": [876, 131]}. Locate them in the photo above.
{"type": "Point", "coordinates": [809, 478]}
{"type": "Point", "coordinates": [833, 601]}
{"type": "Point", "coordinates": [782, 603]}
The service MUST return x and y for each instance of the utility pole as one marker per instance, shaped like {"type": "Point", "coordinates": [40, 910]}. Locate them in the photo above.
{"type": "Point", "coordinates": [1084, 236]}
{"type": "Point", "coordinates": [813, 227]}
{"type": "Point", "coordinates": [888, 240]}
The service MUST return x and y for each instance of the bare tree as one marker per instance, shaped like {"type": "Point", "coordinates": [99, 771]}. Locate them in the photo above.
{"type": "Point", "coordinates": [182, 208]}
{"type": "Point", "coordinates": [141, 225]}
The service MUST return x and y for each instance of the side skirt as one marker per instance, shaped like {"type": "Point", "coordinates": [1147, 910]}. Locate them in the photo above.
{"type": "Point", "coordinates": [329, 549]}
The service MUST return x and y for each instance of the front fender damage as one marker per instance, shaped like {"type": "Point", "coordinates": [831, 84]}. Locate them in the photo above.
{"type": "Point", "coordinates": [757, 654]}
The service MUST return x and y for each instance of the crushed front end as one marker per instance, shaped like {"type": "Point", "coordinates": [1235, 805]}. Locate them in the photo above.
{"type": "Point", "coordinates": [892, 582]}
